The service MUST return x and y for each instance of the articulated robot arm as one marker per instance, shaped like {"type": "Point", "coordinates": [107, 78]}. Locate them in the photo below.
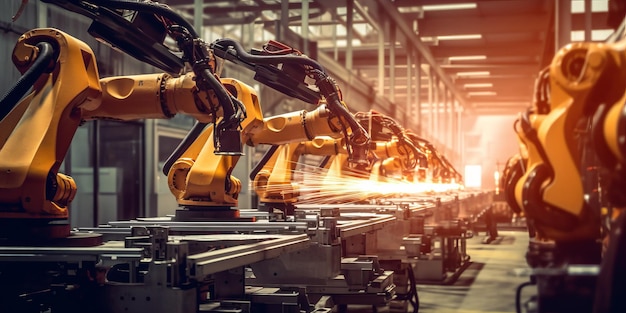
{"type": "Point", "coordinates": [289, 71]}
{"type": "Point", "coordinates": [393, 146]}
{"type": "Point", "coordinates": [274, 182]}
{"type": "Point", "coordinates": [392, 156]}
{"type": "Point", "coordinates": [200, 178]}
{"type": "Point", "coordinates": [586, 79]}
{"type": "Point", "coordinates": [439, 167]}
{"type": "Point", "coordinates": [202, 181]}
{"type": "Point", "coordinates": [60, 71]}
{"type": "Point", "coordinates": [36, 132]}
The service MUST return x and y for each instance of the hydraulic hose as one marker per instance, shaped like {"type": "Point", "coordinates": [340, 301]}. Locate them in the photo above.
{"type": "Point", "coordinates": [40, 66]}
{"type": "Point", "coordinates": [152, 7]}
{"type": "Point", "coordinates": [266, 157]}
{"type": "Point", "coordinates": [267, 59]}
{"type": "Point", "coordinates": [328, 89]}
{"type": "Point", "coordinates": [518, 295]}
{"type": "Point", "coordinates": [191, 136]}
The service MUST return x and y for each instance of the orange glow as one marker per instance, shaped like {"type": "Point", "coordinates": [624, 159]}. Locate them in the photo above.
{"type": "Point", "coordinates": [352, 189]}
{"type": "Point", "coordinates": [316, 185]}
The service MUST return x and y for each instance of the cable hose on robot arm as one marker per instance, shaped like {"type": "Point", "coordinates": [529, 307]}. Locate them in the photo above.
{"type": "Point", "coordinates": [152, 7]}
{"type": "Point", "coordinates": [40, 66]}
{"type": "Point", "coordinates": [518, 295]}
{"type": "Point", "coordinates": [360, 138]}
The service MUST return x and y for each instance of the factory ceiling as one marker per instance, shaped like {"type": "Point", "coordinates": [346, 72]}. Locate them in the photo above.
{"type": "Point", "coordinates": [485, 53]}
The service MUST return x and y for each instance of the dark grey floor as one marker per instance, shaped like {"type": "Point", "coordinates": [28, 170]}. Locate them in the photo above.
{"type": "Point", "coordinates": [487, 285]}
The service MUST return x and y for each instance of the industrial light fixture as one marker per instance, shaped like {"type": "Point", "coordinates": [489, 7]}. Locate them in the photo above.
{"type": "Point", "coordinates": [481, 93]}
{"type": "Point", "coordinates": [478, 85]}
{"type": "Point", "coordinates": [437, 7]}
{"type": "Point", "coordinates": [460, 37]}
{"type": "Point", "coordinates": [435, 40]}
{"type": "Point", "coordinates": [446, 7]}
{"type": "Point", "coordinates": [467, 58]}
{"type": "Point", "coordinates": [472, 74]}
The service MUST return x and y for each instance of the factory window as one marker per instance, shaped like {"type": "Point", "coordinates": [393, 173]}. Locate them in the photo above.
{"type": "Point", "coordinates": [121, 149]}
{"type": "Point", "coordinates": [167, 141]}
{"type": "Point", "coordinates": [578, 6]}
{"type": "Point", "coordinates": [106, 156]}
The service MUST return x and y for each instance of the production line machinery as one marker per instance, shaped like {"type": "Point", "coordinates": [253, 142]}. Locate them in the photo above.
{"type": "Point", "coordinates": [47, 266]}
{"type": "Point", "coordinates": [356, 254]}
{"type": "Point", "coordinates": [319, 271]}
{"type": "Point", "coordinates": [189, 262]}
{"type": "Point", "coordinates": [149, 270]}
{"type": "Point", "coordinates": [429, 229]}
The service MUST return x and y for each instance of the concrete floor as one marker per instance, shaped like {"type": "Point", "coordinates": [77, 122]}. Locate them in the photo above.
{"type": "Point", "coordinates": [487, 285]}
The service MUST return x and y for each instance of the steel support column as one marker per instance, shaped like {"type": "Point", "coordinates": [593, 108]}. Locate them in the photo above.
{"type": "Point", "coordinates": [281, 29]}
{"type": "Point", "coordinates": [563, 23]}
{"type": "Point", "coordinates": [443, 125]}
{"type": "Point", "coordinates": [408, 106]}
{"type": "Point", "coordinates": [588, 20]}
{"type": "Point", "coordinates": [392, 64]}
{"type": "Point", "coordinates": [459, 134]}
{"type": "Point", "coordinates": [197, 16]}
{"type": "Point", "coordinates": [418, 92]}
{"type": "Point", "coordinates": [435, 108]}
{"type": "Point", "coordinates": [304, 32]}
{"type": "Point", "coordinates": [42, 14]}
{"type": "Point", "coordinates": [450, 123]}
{"type": "Point", "coordinates": [381, 56]}
{"type": "Point", "coordinates": [431, 99]}
{"type": "Point", "coordinates": [349, 32]}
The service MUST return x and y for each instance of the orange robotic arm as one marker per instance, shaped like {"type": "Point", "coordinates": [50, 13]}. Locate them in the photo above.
{"type": "Point", "coordinates": [274, 183]}
{"type": "Point", "coordinates": [584, 78]}
{"type": "Point", "coordinates": [35, 132]}
{"type": "Point", "coordinates": [392, 155]}
{"type": "Point", "coordinates": [202, 180]}
{"type": "Point", "coordinates": [35, 135]}
{"type": "Point", "coordinates": [199, 178]}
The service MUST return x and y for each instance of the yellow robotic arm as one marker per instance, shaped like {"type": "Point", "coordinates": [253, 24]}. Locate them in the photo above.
{"type": "Point", "coordinates": [202, 182]}
{"type": "Point", "coordinates": [274, 180]}
{"type": "Point", "coordinates": [582, 76]}
{"type": "Point", "coordinates": [392, 155]}
{"type": "Point", "coordinates": [153, 96]}
{"type": "Point", "coordinates": [398, 156]}
{"type": "Point", "coordinates": [434, 167]}
{"type": "Point", "coordinates": [36, 131]}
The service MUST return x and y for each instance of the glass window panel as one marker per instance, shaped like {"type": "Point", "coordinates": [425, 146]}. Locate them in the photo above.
{"type": "Point", "coordinates": [166, 203]}
{"type": "Point", "coordinates": [80, 163]}
{"type": "Point", "coordinates": [121, 171]}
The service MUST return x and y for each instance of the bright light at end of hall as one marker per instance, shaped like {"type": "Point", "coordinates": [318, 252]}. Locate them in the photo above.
{"type": "Point", "coordinates": [445, 7]}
